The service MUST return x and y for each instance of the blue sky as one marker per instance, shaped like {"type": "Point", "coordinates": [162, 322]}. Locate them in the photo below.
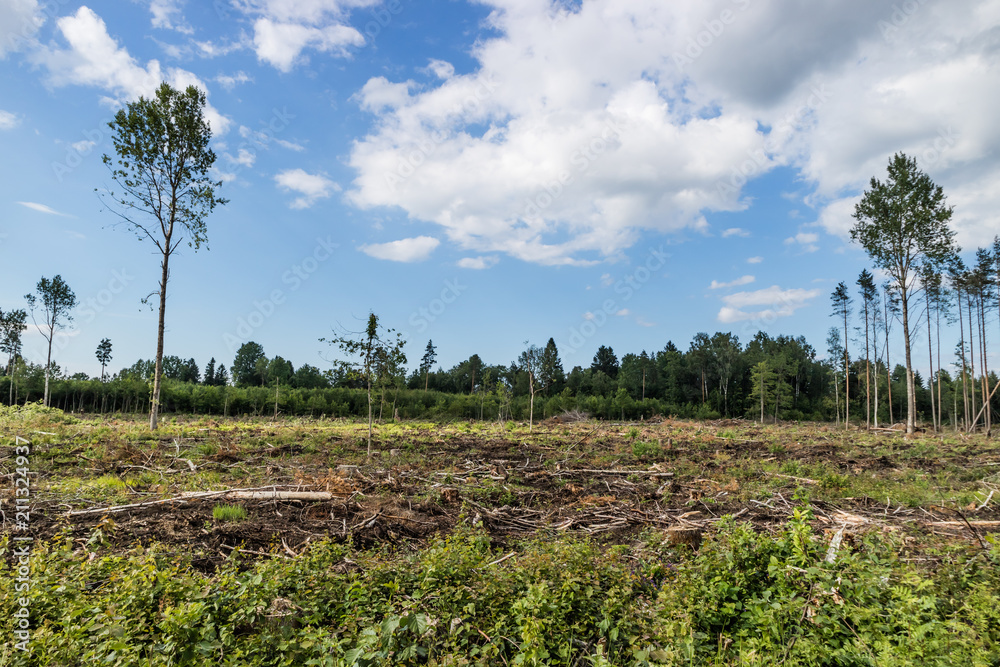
{"type": "Point", "coordinates": [620, 172]}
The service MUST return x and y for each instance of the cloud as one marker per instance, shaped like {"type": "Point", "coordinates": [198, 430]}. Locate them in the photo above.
{"type": "Point", "coordinates": [312, 187]}
{"type": "Point", "coordinates": [552, 151]}
{"type": "Point", "coordinates": [280, 44]}
{"type": "Point", "coordinates": [755, 260]}
{"type": "Point", "coordinates": [290, 145]}
{"type": "Point", "coordinates": [42, 208]}
{"type": "Point", "coordinates": [478, 262]}
{"type": "Point", "coordinates": [95, 59]}
{"type": "Point", "coordinates": [440, 69]}
{"type": "Point", "coordinates": [284, 29]}
{"type": "Point", "coordinates": [624, 312]}
{"type": "Point", "coordinates": [230, 81]}
{"type": "Point", "coordinates": [782, 304]}
{"type": "Point", "coordinates": [8, 121]}
{"type": "Point", "coordinates": [735, 231]}
{"type": "Point", "coordinates": [167, 15]}
{"type": "Point", "coordinates": [404, 250]}
{"type": "Point", "coordinates": [20, 19]}
{"type": "Point", "coordinates": [744, 280]}
{"type": "Point", "coordinates": [498, 157]}
{"type": "Point", "coordinates": [806, 239]}
{"type": "Point", "coordinates": [244, 158]}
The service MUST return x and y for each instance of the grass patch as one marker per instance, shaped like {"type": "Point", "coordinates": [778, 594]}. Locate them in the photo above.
{"type": "Point", "coordinates": [229, 513]}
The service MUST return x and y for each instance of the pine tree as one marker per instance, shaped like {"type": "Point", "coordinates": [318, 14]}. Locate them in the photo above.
{"type": "Point", "coordinates": [427, 361]}
{"type": "Point", "coordinates": [842, 308]}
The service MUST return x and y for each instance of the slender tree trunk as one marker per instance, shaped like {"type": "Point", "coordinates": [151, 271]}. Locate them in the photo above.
{"type": "Point", "coordinates": [847, 376]}
{"type": "Point", "coordinates": [875, 411]}
{"type": "Point", "coordinates": [427, 375]}
{"type": "Point", "coordinates": [154, 407]}
{"type": "Point", "coordinates": [888, 363]}
{"type": "Point", "coordinates": [531, 401]}
{"type": "Point", "coordinates": [836, 396]}
{"type": "Point", "coordinates": [984, 365]}
{"type": "Point", "coordinates": [972, 364]}
{"type": "Point", "coordinates": [937, 321]}
{"type": "Point", "coordinates": [762, 397]}
{"type": "Point", "coordinates": [954, 415]}
{"type": "Point", "coordinates": [965, 387]}
{"type": "Point", "coordinates": [911, 398]}
{"type": "Point", "coordinates": [868, 374]}
{"type": "Point", "coordinates": [930, 356]}
{"type": "Point", "coordinates": [369, 415]}
{"type": "Point", "coordinates": [48, 366]}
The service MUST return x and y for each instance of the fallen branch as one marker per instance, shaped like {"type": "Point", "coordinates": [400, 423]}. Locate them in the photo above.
{"type": "Point", "coordinates": [963, 524]}
{"type": "Point", "coordinates": [644, 473]}
{"type": "Point", "coordinates": [183, 498]}
{"type": "Point", "coordinates": [987, 501]}
{"type": "Point", "coordinates": [804, 480]}
{"type": "Point", "coordinates": [273, 495]}
{"type": "Point", "coordinates": [500, 560]}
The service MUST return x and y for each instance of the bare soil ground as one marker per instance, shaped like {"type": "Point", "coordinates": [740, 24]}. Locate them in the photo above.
{"type": "Point", "coordinates": [602, 479]}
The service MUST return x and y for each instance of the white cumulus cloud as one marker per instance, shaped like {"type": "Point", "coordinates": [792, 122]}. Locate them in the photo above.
{"type": "Point", "coordinates": [20, 20]}
{"type": "Point", "coordinates": [415, 249]}
{"type": "Point", "coordinates": [311, 187]}
{"type": "Point", "coordinates": [780, 302]}
{"type": "Point", "coordinates": [557, 152]}
{"type": "Point", "coordinates": [8, 121]}
{"type": "Point", "coordinates": [483, 262]}
{"type": "Point", "coordinates": [94, 58]}
{"type": "Point", "coordinates": [743, 280]}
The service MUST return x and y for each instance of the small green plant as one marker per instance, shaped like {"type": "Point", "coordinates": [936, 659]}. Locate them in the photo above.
{"type": "Point", "coordinates": [645, 449]}
{"type": "Point", "coordinates": [228, 513]}
{"type": "Point", "coordinates": [109, 483]}
{"type": "Point", "coordinates": [632, 434]}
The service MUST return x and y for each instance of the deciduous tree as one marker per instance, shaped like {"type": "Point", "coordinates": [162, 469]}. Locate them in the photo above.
{"type": "Point", "coordinates": [162, 169]}
{"type": "Point", "coordinates": [56, 300]}
{"type": "Point", "coordinates": [903, 223]}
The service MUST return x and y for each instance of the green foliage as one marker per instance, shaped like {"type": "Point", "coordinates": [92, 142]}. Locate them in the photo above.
{"type": "Point", "coordinates": [229, 513]}
{"type": "Point", "coordinates": [743, 598]}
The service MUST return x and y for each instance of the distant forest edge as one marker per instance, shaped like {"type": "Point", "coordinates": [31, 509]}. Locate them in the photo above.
{"type": "Point", "coordinates": [716, 377]}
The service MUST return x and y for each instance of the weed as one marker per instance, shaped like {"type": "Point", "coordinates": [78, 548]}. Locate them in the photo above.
{"type": "Point", "coordinates": [229, 513]}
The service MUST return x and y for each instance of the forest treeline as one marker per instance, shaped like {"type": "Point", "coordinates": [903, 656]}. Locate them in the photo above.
{"type": "Point", "coordinates": [903, 223]}
{"type": "Point", "coordinates": [716, 376]}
